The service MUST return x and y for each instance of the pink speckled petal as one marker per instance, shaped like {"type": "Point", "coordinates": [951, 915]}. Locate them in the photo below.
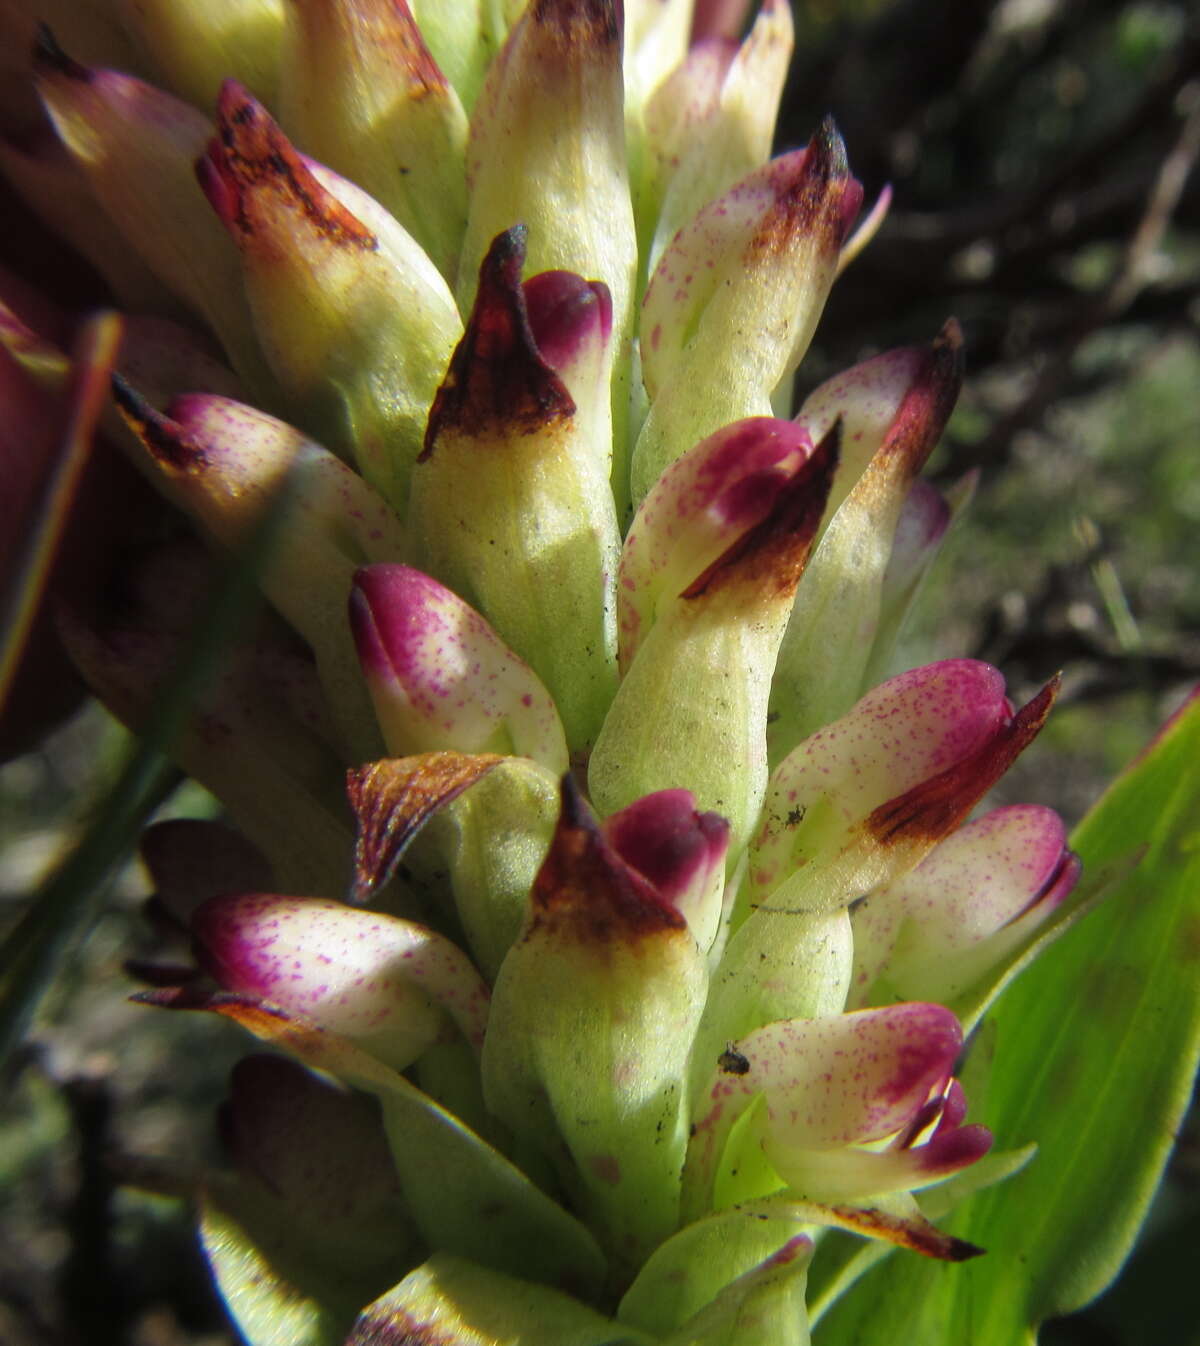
{"type": "Point", "coordinates": [386, 984]}
{"type": "Point", "coordinates": [695, 512]}
{"type": "Point", "coordinates": [902, 733]}
{"type": "Point", "coordinates": [571, 320]}
{"type": "Point", "coordinates": [866, 398]}
{"type": "Point", "coordinates": [440, 677]}
{"type": "Point", "coordinates": [794, 199]}
{"type": "Point", "coordinates": [850, 1078]}
{"type": "Point", "coordinates": [680, 850]}
{"type": "Point", "coordinates": [828, 1082]}
{"type": "Point", "coordinates": [973, 899]}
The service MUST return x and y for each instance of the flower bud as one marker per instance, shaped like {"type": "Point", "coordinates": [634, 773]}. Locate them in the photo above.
{"type": "Point", "coordinates": [727, 546]}
{"type": "Point", "coordinates": [592, 1021]}
{"type": "Point", "coordinates": [734, 300]}
{"type": "Point", "coordinates": [362, 93]}
{"type": "Point", "coordinates": [972, 901]}
{"type": "Point", "coordinates": [547, 150]}
{"type": "Point", "coordinates": [389, 986]}
{"type": "Point", "coordinates": [356, 322]}
{"type": "Point", "coordinates": [440, 677]}
{"type": "Point", "coordinates": [136, 147]}
{"type": "Point", "coordinates": [510, 507]}
{"type": "Point", "coordinates": [711, 122]}
{"type": "Point", "coordinates": [864, 799]}
{"type": "Point", "coordinates": [699, 509]}
{"type": "Point", "coordinates": [227, 464]}
{"type": "Point", "coordinates": [828, 644]}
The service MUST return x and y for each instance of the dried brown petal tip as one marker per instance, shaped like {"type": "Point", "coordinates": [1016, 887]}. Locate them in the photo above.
{"type": "Point", "coordinates": [498, 380]}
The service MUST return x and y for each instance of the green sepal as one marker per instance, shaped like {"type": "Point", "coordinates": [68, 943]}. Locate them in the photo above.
{"type": "Point", "coordinates": [692, 713]}
{"type": "Point", "coordinates": [777, 965]}
{"type": "Point", "coordinates": [361, 92]}
{"type": "Point", "coordinates": [464, 1196]}
{"type": "Point", "coordinates": [509, 508]}
{"type": "Point", "coordinates": [463, 36]}
{"type": "Point", "coordinates": [453, 1302]}
{"type": "Point", "coordinates": [492, 840]}
{"type": "Point", "coordinates": [591, 1023]}
{"type": "Point", "coordinates": [195, 44]}
{"type": "Point", "coordinates": [766, 1304]}
{"type": "Point", "coordinates": [693, 1266]}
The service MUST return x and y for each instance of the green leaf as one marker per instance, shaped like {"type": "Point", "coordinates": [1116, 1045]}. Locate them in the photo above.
{"type": "Point", "coordinates": [1097, 1046]}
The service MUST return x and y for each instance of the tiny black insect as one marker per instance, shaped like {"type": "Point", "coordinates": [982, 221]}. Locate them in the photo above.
{"type": "Point", "coordinates": [732, 1062]}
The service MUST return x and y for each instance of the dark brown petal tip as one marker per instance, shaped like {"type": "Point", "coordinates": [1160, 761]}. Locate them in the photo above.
{"type": "Point", "coordinates": [166, 439]}
{"type": "Point", "coordinates": [49, 57]}
{"type": "Point", "coordinates": [392, 798]}
{"type": "Point", "coordinates": [587, 893]}
{"type": "Point", "coordinates": [498, 383]}
{"type": "Point", "coordinates": [808, 199]}
{"type": "Point", "coordinates": [770, 557]}
{"type": "Point", "coordinates": [584, 25]}
{"type": "Point", "coordinates": [932, 809]}
{"type": "Point", "coordinates": [926, 407]}
{"type": "Point", "coordinates": [252, 174]}
{"type": "Point", "coordinates": [913, 1232]}
{"type": "Point", "coordinates": [392, 31]}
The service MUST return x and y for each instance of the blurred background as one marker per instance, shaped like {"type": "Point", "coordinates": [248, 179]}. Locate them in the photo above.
{"type": "Point", "coordinates": [1042, 155]}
